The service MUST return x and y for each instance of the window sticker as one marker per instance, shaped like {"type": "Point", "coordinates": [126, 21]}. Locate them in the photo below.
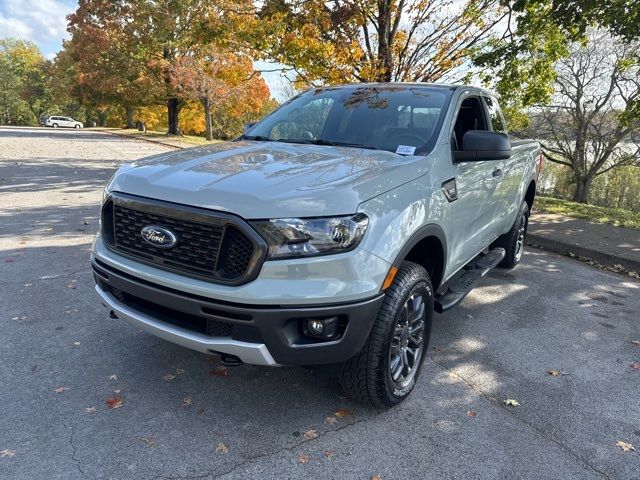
{"type": "Point", "coordinates": [405, 150]}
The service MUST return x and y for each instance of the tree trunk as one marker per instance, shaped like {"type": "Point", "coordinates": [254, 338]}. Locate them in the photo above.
{"type": "Point", "coordinates": [581, 195]}
{"type": "Point", "coordinates": [208, 130]}
{"type": "Point", "coordinates": [173, 112]}
{"type": "Point", "coordinates": [102, 118]}
{"type": "Point", "coordinates": [130, 122]}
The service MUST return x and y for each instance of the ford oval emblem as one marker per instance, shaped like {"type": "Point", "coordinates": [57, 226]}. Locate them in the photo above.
{"type": "Point", "coordinates": [159, 236]}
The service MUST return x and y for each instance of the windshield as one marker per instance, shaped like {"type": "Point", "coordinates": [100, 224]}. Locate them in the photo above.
{"type": "Point", "coordinates": [399, 118]}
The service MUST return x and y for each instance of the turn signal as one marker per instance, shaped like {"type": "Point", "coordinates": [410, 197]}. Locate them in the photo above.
{"type": "Point", "coordinates": [390, 276]}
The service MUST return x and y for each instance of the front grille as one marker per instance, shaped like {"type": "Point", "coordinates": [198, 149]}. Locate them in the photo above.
{"type": "Point", "coordinates": [207, 245]}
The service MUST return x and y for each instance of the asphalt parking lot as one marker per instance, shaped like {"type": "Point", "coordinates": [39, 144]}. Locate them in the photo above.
{"type": "Point", "coordinates": [63, 362]}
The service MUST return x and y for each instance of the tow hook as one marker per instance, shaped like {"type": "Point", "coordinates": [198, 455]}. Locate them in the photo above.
{"type": "Point", "coordinates": [230, 360]}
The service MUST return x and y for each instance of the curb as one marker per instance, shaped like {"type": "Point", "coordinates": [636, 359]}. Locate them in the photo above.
{"type": "Point", "coordinates": [578, 251]}
{"type": "Point", "coordinates": [143, 139]}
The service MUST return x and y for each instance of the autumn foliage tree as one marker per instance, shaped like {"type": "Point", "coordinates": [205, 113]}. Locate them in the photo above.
{"type": "Point", "coordinates": [215, 77]}
{"type": "Point", "coordinates": [381, 40]}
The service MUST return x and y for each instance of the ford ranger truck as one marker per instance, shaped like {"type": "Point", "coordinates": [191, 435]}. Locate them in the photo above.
{"type": "Point", "coordinates": [328, 234]}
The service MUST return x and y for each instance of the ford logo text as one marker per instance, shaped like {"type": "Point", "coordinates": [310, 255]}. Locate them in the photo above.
{"type": "Point", "coordinates": [159, 236]}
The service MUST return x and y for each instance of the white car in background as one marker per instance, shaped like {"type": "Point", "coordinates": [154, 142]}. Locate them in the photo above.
{"type": "Point", "coordinates": [57, 121]}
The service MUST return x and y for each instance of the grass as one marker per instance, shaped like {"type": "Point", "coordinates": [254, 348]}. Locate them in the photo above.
{"type": "Point", "coordinates": [162, 136]}
{"type": "Point", "coordinates": [614, 216]}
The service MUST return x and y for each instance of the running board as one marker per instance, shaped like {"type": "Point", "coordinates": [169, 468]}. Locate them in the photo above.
{"type": "Point", "coordinates": [464, 281]}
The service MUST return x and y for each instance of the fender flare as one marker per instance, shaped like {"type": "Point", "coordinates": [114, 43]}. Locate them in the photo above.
{"type": "Point", "coordinates": [430, 230]}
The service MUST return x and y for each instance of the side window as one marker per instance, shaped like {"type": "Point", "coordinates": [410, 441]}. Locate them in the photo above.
{"type": "Point", "coordinates": [305, 123]}
{"type": "Point", "coordinates": [497, 120]}
{"type": "Point", "coordinates": [471, 116]}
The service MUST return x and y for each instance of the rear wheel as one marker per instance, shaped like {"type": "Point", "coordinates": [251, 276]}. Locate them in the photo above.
{"type": "Point", "coordinates": [513, 240]}
{"type": "Point", "coordinates": [385, 371]}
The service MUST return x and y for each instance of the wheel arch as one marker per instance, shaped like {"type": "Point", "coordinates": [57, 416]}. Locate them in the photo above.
{"type": "Point", "coordinates": [530, 194]}
{"type": "Point", "coordinates": [426, 247]}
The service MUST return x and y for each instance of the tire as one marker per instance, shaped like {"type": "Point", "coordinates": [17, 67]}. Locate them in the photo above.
{"type": "Point", "coordinates": [55, 125]}
{"type": "Point", "coordinates": [513, 240]}
{"type": "Point", "coordinates": [76, 126]}
{"type": "Point", "coordinates": [367, 377]}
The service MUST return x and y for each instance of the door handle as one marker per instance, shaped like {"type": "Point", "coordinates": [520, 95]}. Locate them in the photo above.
{"type": "Point", "coordinates": [497, 172]}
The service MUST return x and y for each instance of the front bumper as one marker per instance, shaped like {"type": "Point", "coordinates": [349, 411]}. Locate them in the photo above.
{"type": "Point", "coordinates": [258, 334]}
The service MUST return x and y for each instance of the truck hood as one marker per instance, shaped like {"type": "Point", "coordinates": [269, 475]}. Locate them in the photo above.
{"type": "Point", "coordinates": [269, 179]}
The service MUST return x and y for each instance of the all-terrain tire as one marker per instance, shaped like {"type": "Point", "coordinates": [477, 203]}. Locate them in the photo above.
{"type": "Point", "coordinates": [513, 240]}
{"type": "Point", "coordinates": [367, 377]}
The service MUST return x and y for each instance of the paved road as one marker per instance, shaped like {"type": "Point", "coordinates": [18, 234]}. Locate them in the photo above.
{"type": "Point", "coordinates": [549, 313]}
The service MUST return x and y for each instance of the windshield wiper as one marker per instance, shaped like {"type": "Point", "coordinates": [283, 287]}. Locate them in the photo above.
{"type": "Point", "coordinates": [259, 138]}
{"type": "Point", "coordinates": [332, 143]}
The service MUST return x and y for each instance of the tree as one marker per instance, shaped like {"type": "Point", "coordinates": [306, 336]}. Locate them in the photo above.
{"type": "Point", "coordinates": [21, 74]}
{"type": "Point", "coordinates": [214, 77]}
{"type": "Point", "coordinates": [382, 40]}
{"type": "Point", "coordinates": [593, 123]}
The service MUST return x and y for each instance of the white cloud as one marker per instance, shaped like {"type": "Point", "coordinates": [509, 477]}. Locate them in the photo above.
{"type": "Point", "coordinates": [41, 21]}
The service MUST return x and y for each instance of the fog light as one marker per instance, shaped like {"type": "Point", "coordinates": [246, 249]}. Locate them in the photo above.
{"type": "Point", "coordinates": [324, 328]}
{"type": "Point", "coordinates": [315, 326]}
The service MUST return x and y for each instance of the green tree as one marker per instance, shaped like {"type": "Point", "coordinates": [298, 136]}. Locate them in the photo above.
{"type": "Point", "coordinates": [22, 70]}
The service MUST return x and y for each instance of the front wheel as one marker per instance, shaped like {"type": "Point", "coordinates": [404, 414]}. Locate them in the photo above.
{"type": "Point", "coordinates": [385, 371]}
{"type": "Point", "coordinates": [76, 126]}
{"type": "Point", "coordinates": [55, 125]}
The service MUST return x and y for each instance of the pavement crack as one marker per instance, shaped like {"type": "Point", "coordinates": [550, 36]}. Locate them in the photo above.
{"type": "Point", "coordinates": [498, 403]}
{"type": "Point", "coordinates": [49, 277]}
{"type": "Point", "coordinates": [285, 449]}
{"type": "Point", "coordinates": [74, 452]}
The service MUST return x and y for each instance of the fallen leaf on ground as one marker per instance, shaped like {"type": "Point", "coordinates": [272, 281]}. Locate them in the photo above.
{"type": "Point", "coordinates": [376, 477]}
{"type": "Point", "coordinates": [168, 377]}
{"type": "Point", "coordinates": [113, 377]}
{"type": "Point", "coordinates": [219, 372]}
{"type": "Point", "coordinates": [76, 344]}
{"type": "Point", "coordinates": [344, 413]}
{"type": "Point", "coordinates": [148, 441]}
{"type": "Point", "coordinates": [329, 454]}
{"type": "Point", "coordinates": [471, 413]}
{"type": "Point", "coordinates": [626, 447]}
{"type": "Point", "coordinates": [310, 434]}
{"type": "Point", "coordinates": [60, 389]}
{"type": "Point", "coordinates": [200, 411]}
{"type": "Point", "coordinates": [114, 402]}
{"type": "Point", "coordinates": [330, 421]}
{"type": "Point", "coordinates": [117, 391]}
{"type": "Point", "coordinates": [179, 371]}
{"type": "Point", "coordinates": [469, 316]}
{"type": "Point", "coordinates": [303, 458]}
{"type": "Point", "coordinates": [7, 453]}
{"type": "Point", "coordinates": [553, 373]}
{"type": "Point", "coordinates": [90, 410]}
{"type": "Point", "coordinates": [222, 448]}
{"type": "Point", "coordinates": [510, 402]}
{"type": "Point", "coordinates": [186, 401]}
{"type": "Point", "coordinates": [635, 366]}
{"type": "Point", "coordinates": [636, 342]}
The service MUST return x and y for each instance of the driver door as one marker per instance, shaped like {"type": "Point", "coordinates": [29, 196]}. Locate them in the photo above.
{"type": "Point", "coordinates": [475, 221]}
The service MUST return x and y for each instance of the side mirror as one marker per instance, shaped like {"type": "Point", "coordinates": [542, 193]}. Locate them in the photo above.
{"type": "Point", "coordinates": [247, 126]}
{"type": "Point", "coordinates": [480, 145]}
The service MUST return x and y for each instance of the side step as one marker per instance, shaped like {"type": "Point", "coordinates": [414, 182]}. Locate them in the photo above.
{"type": "Point", "coordinates": [463, 282]}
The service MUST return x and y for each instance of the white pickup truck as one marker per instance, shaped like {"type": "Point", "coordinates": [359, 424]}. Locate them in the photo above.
{"type": "Point", "coordinates": [327, 234]}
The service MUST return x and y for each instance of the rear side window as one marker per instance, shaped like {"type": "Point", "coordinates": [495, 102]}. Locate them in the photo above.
{"type": "Point", "coordinates": [495, 115]}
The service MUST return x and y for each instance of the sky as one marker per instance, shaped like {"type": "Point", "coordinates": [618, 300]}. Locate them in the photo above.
{"type": "Point", "coordinates": [44, 23]}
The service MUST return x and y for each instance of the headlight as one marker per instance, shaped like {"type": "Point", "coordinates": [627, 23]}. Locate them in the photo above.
{"type": "Point", "coordinates": [301, 237]}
